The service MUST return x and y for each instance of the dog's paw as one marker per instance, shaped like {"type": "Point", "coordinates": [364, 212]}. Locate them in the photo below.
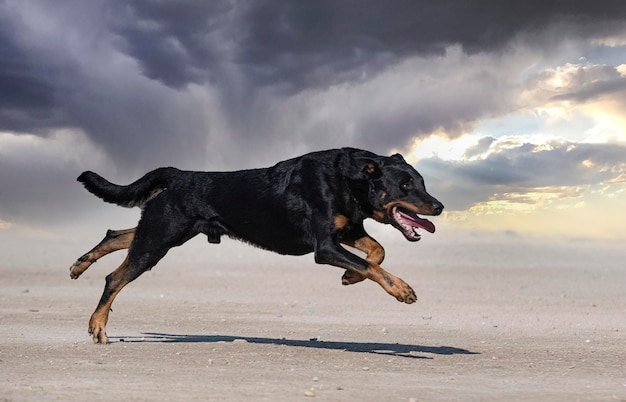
{"type": "Point", "coordinates": [97, 330]}
{"type": "Point", "coordinates": [351, 277]}
{"type": "Point", "coordinates": [80, 266]}
{"type": "Point", "coordinates": [403, 292]}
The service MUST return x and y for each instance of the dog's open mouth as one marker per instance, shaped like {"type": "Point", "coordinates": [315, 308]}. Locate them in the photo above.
{"type": "Point", "coordinates": [409, 223]}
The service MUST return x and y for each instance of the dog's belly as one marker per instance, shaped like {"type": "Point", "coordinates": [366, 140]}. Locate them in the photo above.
{"type": "Point", "coordinates": [280, 239]}
{"type": "Point", "coordinates": [289, 249]}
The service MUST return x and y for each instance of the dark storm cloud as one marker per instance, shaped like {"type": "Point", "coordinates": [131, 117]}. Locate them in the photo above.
{"type": "Point", "coordinates": [291, 42]}
{"type": "Point", "coordinates": [58, 71]}
{"type": "Point", "coordinates": [175, 42]}
{"type": "Point", "coordinates": [298, 45]}
{"type": "Point", "coordinates": [243, 49]}
{"type": "Point", "coordinates": [522, 169]}
{"type": "Point", "coordinates": [27, 90]}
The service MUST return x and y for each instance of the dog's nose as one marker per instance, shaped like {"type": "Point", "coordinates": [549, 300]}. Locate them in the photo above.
{"type": "Point", "coordinates": [437, 207]}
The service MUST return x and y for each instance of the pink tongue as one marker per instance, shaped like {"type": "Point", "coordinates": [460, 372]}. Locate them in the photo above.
{"type": "Point", "coordinates": [421, 223]}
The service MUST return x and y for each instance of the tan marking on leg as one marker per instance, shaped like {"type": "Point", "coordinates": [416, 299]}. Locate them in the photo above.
{"type": "Point", "coordinates": [375, 255]}
{"type": "Point", "coordinates": [98, 321]}
{"type": "Point", "coordinates": [375, 252]}
{"type": "Point", "coordinates": [113, 241]}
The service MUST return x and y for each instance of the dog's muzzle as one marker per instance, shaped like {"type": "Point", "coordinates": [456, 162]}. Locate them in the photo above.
{"type": "Point", "coordinates": [409, 223]}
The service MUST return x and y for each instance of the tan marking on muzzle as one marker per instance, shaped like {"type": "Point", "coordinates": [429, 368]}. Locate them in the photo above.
{"type": "Point", "coordinates": [384, 215]}
{"type": "Point", "coordinates": [423, 209]}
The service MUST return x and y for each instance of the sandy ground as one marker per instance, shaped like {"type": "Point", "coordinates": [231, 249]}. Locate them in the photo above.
{"type": "Point", "coordinates": [522, 324]}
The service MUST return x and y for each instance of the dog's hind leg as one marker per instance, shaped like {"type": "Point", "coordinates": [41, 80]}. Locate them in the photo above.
{"type": "Point", "coordinates": [153, 238]}
{"type": "Point", "coordinates": [138, 261]}
{"type": "Point", "coordinates": [113, 241]}
{"type": "Point", "coordinates": [114, 283]}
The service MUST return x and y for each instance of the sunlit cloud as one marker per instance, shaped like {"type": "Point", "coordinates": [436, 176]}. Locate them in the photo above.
{"type": "Point", "coordinates": [525, 182]}
{"type": "Point", "coordinates": [528, 201]}
{"type": "Point", "coordinates": [590, 94]}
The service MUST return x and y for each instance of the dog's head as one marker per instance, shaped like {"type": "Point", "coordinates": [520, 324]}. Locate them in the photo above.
{"type": "Point", "coordinates": [395, 193]}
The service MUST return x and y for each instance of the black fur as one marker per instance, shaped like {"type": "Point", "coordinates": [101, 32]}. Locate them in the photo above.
{"type": "Point", "coordinates": [287, 208]}
{"type": "Point", "coordinates": [133, 195]}
{"type": "Point", "coordinates": [313, 203]}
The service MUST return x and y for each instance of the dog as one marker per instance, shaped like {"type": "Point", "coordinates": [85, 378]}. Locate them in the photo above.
{"type": "Point", "coordinates": [314, 203]}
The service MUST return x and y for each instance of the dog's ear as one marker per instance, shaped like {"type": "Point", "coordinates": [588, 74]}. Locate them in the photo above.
{"type": "Point", "coordinates": [365, 169]}
{"type": "Point", "coordinates": [398, 157]}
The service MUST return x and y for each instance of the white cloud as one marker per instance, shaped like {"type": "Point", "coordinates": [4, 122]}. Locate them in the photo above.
{"type": "Point", "coordinates": [520, 172]}
{"type": "Point", "coordinates": [592, 95]}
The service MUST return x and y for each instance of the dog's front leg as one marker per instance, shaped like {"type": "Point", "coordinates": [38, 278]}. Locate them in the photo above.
{"type": "Point", "coordinates": [374, 251]}
{"type": "Point", "coordinates": [330, 252]}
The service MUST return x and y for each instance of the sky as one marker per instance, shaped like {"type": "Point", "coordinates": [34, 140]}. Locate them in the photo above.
{"type": "Point", "coordinates": [514, 112]}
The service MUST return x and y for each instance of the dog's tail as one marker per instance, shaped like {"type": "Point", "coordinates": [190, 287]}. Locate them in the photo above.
{"type": "Point", "coordinates": [133, 195]}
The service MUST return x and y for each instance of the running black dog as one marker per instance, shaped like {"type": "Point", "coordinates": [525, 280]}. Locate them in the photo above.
{"type": "Point", "coordinates": [313, 203]}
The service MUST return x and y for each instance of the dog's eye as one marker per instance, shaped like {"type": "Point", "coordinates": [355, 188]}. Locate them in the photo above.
{"type": "Point", "coordinates": [406, 185]}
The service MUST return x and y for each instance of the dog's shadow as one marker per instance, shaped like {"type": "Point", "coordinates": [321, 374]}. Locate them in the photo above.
{"type": "Point", "coordinates": [392, 349]}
